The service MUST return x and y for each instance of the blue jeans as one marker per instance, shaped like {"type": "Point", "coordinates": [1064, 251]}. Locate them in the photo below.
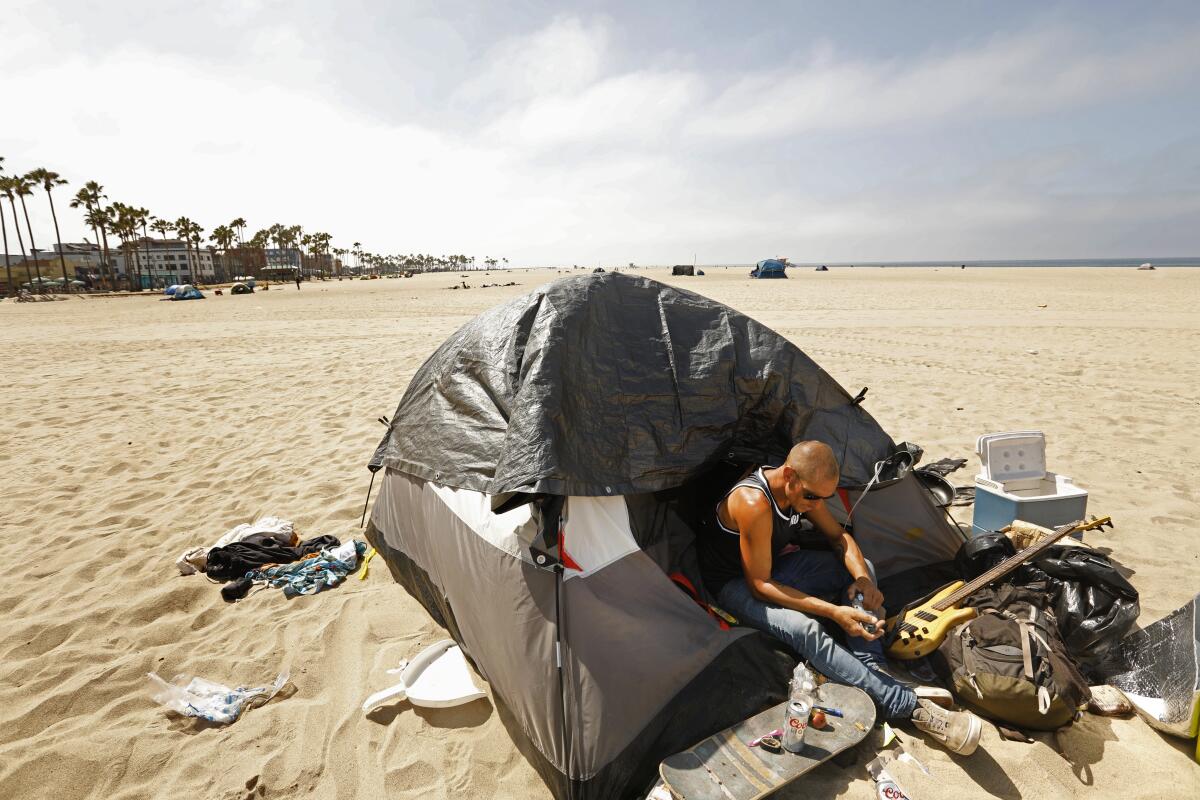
{"type": "Point", "coordinates": [820, 573]}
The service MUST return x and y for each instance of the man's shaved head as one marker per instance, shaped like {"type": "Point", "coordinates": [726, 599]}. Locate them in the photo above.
{"type": "Point", "coordinates": [813, 461]}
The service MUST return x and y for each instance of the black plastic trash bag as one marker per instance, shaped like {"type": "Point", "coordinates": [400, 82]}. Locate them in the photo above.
{"type": "Point", "coordinates": [1094, 604]}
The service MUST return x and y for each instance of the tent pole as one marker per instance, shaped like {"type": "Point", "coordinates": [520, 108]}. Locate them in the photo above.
{"type": "Point", "coordinates": [562, 684]}
{"type": "Point", "coordinates": [368, 501]}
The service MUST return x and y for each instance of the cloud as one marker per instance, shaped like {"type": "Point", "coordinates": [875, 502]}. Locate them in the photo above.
{"type": "Point", "coordinates": [564, 57]}
{"type": "Point", "coordinates": [1010, 76]}
{"type": "Point", "coordinates": [640, 106]}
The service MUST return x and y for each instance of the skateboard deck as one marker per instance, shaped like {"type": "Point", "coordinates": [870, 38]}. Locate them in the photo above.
{"type": "Point", "coordinates": [725, 767]}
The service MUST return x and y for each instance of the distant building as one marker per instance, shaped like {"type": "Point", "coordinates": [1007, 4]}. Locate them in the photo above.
{"type": "Point", "coordinates": [82, 260]}
{"type": "Point", "coordinates": [286, 257]}
{"type": "Point", "coordinates": [162, 262]}
{"type": "Point", "coordinates": [237, 261]}
{"type": "Point", "coordinates": [282, 263]}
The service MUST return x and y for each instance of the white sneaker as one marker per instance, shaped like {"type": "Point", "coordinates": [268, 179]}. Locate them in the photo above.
{"type": "Point", "coordinates": [957, 731]}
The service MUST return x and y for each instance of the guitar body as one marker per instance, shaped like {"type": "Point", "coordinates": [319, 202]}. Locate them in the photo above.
{"type": "Point", "coordinates": [920, 628]}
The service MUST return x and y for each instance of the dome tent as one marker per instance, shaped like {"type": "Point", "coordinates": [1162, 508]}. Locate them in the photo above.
{"type": "Point", "coordinates": [186, 291]}
{"type": "Point", "coordinates": [541, 476]}
{"type": "Point", "coordinates": [770, 268]}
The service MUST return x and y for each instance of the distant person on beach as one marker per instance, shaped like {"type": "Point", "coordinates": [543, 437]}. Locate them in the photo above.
{"type": "Point", "coordinates": [748, 567]}
{"type": "Point", "coordinates": [297, 280]}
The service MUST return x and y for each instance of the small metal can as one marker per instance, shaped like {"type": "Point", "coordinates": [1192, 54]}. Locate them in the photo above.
{"type": "Point", "coordinates": [795, 724]}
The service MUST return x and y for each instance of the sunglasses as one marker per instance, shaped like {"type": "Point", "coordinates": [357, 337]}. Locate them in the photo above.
{"type": "Point", "coordinates": [814, 497]}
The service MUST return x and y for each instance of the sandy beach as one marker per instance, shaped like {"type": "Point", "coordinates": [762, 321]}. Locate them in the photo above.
{"type": "Point", "coordinates": [137, 428]}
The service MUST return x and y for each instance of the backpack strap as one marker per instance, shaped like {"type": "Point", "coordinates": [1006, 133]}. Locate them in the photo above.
{"type": "Point", "coordinates": [1028, 635]}
{"type": "Point", "coordinates": [968, 656]}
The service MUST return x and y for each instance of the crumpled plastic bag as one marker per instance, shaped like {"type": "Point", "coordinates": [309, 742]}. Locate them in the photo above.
{"type": "Point", "coordinates": [197, 697]}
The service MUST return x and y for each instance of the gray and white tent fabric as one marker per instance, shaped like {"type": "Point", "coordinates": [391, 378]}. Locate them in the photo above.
{"type": "Point", "coordinates": [541, 478]}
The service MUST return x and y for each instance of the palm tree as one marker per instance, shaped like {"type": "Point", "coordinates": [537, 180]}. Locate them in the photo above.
{"type": "Point", "coordinates": [296, 240]}
{"type": "Point", "coordinates": [24, 187]}
{"type": "Point", "coordinates": [195, 240]}
{"type": "Point", "coordinates": [259, 241]}
{"type": "Point", "coordinates": [115, 224]}
{"type": "Point", "coordinates": [143, 217]}
{"type": "Point", "coordinates": [100, 218]}
{"type": "Point", "coordinates": [49, 180]}
{"type": "Point", "coordinates": [319, 243]}
{"type": "Point", "coordinates": [239, 225]}
{"type": "Point", "coordinates": [89, 198]}
{"type": "Point", "coordinates": [9, 187]}
{"type": "Point", "coordinates": [184, 227]}
{"type": "Point", "coordinates": [124, 225]}
{"type": "Point", "coordinates": [223, 236]}
{"type": "Point", "coordinates": [162, 227]}
{"type": "Point", "coordinates": [12, 290]}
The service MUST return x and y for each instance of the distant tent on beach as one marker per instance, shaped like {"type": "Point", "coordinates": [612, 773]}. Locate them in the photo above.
{"type": "Point", "coordinates": [541, 480]}
{"type": "Point", "coordinates": [184, 292]}
{"type": "Point", "coordinates": [1147, 265]}
{"type": "Point", "coordinates": [683, 269]}
{"type": "Point", "coordinates": [770, 268]}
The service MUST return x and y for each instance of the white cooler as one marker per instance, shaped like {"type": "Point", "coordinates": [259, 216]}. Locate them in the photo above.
{"type": "Point", "coordinates": [1014, 484]}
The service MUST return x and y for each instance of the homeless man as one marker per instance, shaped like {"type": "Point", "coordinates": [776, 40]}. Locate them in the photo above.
{"type": "Point", "coordinates": [785, 593]}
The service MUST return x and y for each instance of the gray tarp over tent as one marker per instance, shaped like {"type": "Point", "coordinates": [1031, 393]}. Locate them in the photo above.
{"type": "Point", "coordinates": [541, 478]}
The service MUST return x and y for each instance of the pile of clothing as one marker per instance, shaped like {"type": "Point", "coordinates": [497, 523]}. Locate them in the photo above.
{"type": "Point", "coordinates": [269, 552]}
{"type": "Point", "coordinates": [195, 559]}
{"type": "Point", "coordinates": [307, 575]}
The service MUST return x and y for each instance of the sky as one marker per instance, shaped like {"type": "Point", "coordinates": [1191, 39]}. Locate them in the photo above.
{"type": "Point", "coordinates": [616, 132]}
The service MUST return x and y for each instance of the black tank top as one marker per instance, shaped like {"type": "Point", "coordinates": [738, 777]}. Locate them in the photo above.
{"type": "Point", "coordinates": [720, 548]}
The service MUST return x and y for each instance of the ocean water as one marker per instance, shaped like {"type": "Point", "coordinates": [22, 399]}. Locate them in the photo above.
{"type": "Point", "coordinates": [1186, 261]}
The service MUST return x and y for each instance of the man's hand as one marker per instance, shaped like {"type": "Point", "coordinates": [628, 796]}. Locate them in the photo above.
{"type": "Point", "coordinates": [872, 597]}
{"type": "Point", "coordinates": [851, 620]}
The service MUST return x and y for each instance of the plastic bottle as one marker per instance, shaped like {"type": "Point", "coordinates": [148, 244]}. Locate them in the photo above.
{"type": "Point", "coordinates": [801, 696]}
{"type": "Point", "coordinates": [858, 603]}
{"type": "Point", "coordinates": [803, 683]}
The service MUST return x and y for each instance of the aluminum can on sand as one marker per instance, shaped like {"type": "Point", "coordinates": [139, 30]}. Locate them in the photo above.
{"type": "Point", "coordinates": [795, 724]}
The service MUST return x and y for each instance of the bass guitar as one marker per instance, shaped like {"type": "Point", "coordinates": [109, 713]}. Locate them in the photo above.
{"type": "Point", "coordinates": [923, 624]}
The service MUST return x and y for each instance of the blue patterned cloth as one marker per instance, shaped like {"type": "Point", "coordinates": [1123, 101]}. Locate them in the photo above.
{"type": "Point", "coordinates": [310, 575]}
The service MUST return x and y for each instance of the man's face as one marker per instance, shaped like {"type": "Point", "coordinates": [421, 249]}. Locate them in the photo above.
{"type": "Point", "coordinates": [805, 495]}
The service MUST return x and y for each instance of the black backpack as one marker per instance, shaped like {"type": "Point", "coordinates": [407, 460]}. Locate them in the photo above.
{"type": "Point", "coordinates": [1009, 663]}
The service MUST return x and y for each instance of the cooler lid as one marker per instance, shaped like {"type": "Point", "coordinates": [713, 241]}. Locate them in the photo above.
{"type": "Point", "coordinates": [1012, 456]}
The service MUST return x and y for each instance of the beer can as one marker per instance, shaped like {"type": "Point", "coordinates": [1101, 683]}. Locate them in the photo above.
{"type": "Point", "coordinates": [795, 724]}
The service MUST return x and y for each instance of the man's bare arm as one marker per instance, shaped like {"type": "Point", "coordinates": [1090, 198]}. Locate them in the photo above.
{"type": "Point", "coordinates": [847, 549]}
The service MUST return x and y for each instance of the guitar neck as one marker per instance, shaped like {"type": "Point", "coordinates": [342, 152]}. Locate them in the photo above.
{"type": "Point", "coordinates": [1008, 565]}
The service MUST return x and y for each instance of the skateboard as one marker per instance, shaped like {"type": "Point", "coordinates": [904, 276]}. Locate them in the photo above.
{"type": "Point", "coordinates": [725, 767]}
